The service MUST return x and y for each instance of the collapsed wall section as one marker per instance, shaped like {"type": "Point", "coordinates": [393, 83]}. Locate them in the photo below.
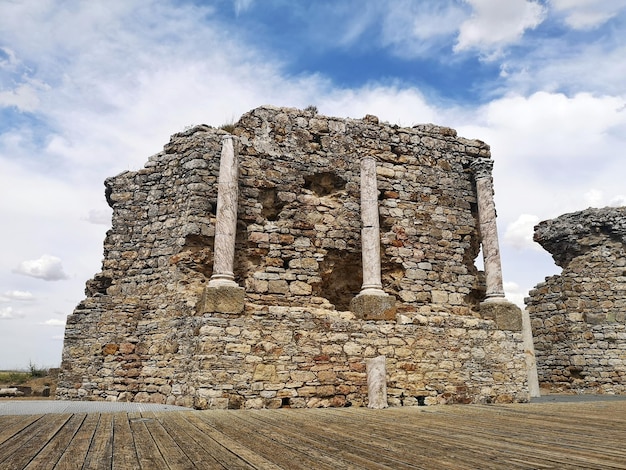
{"type": "Point", "coordinates": [142, 335]}
{"type": "Point", "coordinates": [579, 317]}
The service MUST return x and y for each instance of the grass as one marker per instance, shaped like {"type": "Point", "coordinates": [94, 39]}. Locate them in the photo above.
{"type": "Point", "coordinates": [18, 377]}
{"type": "Point", "coordinates": [13, 377]}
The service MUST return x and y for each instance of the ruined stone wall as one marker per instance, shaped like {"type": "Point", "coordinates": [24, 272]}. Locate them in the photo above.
{"type": "Point", "coordinates": [141, 334]}
{"type": "Point", "coordinates": [579, 317]}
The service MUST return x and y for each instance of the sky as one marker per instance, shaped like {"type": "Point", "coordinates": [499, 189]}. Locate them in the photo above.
{"type": "Point", "coordinates": [89, 89]}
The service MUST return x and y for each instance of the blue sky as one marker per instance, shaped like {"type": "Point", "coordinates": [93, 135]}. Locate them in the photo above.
{"type": "Point", "coordinates": [89, 89]}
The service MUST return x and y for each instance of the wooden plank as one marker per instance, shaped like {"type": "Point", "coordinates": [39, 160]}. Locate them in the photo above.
{"type": "Point", "coordinates": [339, 447]}
{"type": "Point", "coordinates": [201, 449]}
{"type": "Point", "coordinates": [12, 425]}
{"type": "Point", "coordinates": [541, 436]}
{"type": "Point", "coordinates": [124, 452]}
{"type": "Point", "coordinates": [100, 453]}
{"type": "Point", "coordinates": [173, 455]}
{"type": "Point", "coordinates": [226, 457]}
{"type": "Point", "coordinates": [147, 450]}
{"type": "Point", "coordinates": [76, 452]}
{"type": "Point", "coordinates": [52, 452]}
{"type": "Point", "coordinates": [20, 450]}
{"type": "Point", "coordinates": [283, 448]}
{"type": "Point", "coordinates": [252, 458]}
{"type": "Point", "coordinates": [473, 441]}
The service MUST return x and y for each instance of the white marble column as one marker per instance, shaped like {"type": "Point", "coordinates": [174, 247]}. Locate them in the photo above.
{"type": "Point", "coordinates": [370, 231]}
{"type": "Point", "coordinates": [529, 349]}
{"type": "Point", "coordinates": [482, 168]}
{"type": "Point", "coordinates": [372, 303]}
{"type": "Point", "coordinates": [226, 223]}
{"type": "Point", "coordinates": [377, 383]}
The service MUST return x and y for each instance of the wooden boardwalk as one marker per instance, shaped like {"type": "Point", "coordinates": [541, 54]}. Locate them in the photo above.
{"type": "Point", "coordinates": [589, 435]}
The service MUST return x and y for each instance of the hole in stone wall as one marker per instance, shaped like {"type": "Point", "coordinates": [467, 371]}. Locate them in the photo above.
{"type": "Point", "coordinates": [271, 204]}
{"type": "Point", "coordinates": [98, 285]}
{"type": "Point", "coordinates": [324, 183]}
{"type": "Point", "coordinates": [285, 402]}
{"type": "Point", "coordinates": [392, 275]}
{"type": "Point", "coordinates": [576, 373]}
{"type": "Point", "coordinates": [213, 206]}
{"type": "Point", "coordinates": [196, 255]}
{"type": "Point", "coordinates": [421, 400]}
{"type": "Point", "coordinates": [385, 223]}
{"type": "Point", "coordinates": [235, 402]}
{"type": "Point", "coordinates": [342, 277]}
{"type": "Point", "coordinates": [247, 255]}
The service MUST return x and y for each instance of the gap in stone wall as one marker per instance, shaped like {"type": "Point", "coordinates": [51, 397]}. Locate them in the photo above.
{"type": "Point", "coordinates": [342, 277]}
{"type": "Point", "coordinates": [272, 205]}
{"type": "Point", "coordinates": [247, 261]}
{"type": "Point", "coordinates": [196, 255]}
{"type": "Point", "coordinates": [324, 183]}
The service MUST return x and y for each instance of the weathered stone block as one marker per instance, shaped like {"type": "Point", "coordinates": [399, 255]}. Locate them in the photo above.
{"type": "Point", "coordinates": [374, 307]}
{"type": "Point", "coordinates": [507, 316]}
{"type": "Point", "coordinates": [222, 299]}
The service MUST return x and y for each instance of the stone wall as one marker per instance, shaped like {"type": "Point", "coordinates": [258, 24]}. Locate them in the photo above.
{"type": "Point", "coordinates": [142, 333]}
{"type": "Point", "coordinates": [579, 316]}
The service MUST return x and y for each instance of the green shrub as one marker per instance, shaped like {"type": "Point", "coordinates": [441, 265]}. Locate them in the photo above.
{"type": "Point", "coordinates": [14, 377]}
{"type": "Point", "coordinates": [36, 372]}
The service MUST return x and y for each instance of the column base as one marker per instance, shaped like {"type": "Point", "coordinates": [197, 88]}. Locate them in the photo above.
{"type": "Point", "coordinates": [375, 306]}
{"type": "Point", "coordinates": [507, 316]}
{"type": "Point", "coordinates": [222, 299]}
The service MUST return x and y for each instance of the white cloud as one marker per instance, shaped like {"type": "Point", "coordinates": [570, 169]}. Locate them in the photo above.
{"type": "Point", "coordinates": [100, 216]}
{"type": "Point", "coordinates": [7, 58]}
{"type": "Point", "coordinates": [597, 198]}
{"type": "Point", "coordinates": [242, 6]}
{"type": "Point", "coordinates": [48, 268]}
{"type": "Point", "coordinates": [497, 23]}
{"type": "Point", "coordinates": [583, 128]}
{"type": "Point", "coordinates": [519, 233]}
{"type": "Point", "coordinates": [593, 198]}
{"type": "Point", "coordinates": [417, 29]}
{"type": "Point", "coordinates": [587, 14]}
{"type": "Point", "coordinates": [6, 313]}
{"type": "Point", "coordinates": [18, 295]}
{"type": "Point", "coordinates": [54, 322]}
{"type": "Point", "coordinates": [24, 97]}
{"type": "Point", "coordinates": [381, 101]}
{"type": "Point", "coordinates": [515, 294]}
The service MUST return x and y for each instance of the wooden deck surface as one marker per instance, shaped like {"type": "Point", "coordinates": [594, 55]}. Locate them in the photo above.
{"type": "Point", "coordinates": [588, 435]}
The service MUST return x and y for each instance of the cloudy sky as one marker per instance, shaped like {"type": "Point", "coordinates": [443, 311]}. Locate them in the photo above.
{"type": "Point", "coordinates": [89, 89]}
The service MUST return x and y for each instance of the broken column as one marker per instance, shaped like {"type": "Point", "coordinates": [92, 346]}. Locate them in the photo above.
{"type": "Point", "coordinates": [377, 383]}
{"type": "Point", "coordinates": [495, 306]}
{"type": "Point", "coordinates": [223, 294]}
{"type": "Point", "coordinates": [372, 303]}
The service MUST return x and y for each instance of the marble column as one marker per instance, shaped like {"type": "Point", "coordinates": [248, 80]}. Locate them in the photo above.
{"type": "Point", "coordinates": [222, 293]}
{"type": "Point", "coordinates": [529, 349]}
{"type": "Point", "coordinates": [372, 303]}
{"type": "Point", "coordinates": [370, 229]}
{"type": "Point", "coordinates": [482, 168]}
{"type": "Point", "coordinates": [226, 223]}
{"type": "Point", "coordinates": [377, 383]}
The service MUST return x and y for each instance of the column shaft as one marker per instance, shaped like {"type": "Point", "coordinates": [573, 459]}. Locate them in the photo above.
{"type": "Point", "coordinates": [370, 231]}
{"type": "Point", "coordinates": [482, 168]}
{"type": "Point", "coordinates": [226, 223]}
